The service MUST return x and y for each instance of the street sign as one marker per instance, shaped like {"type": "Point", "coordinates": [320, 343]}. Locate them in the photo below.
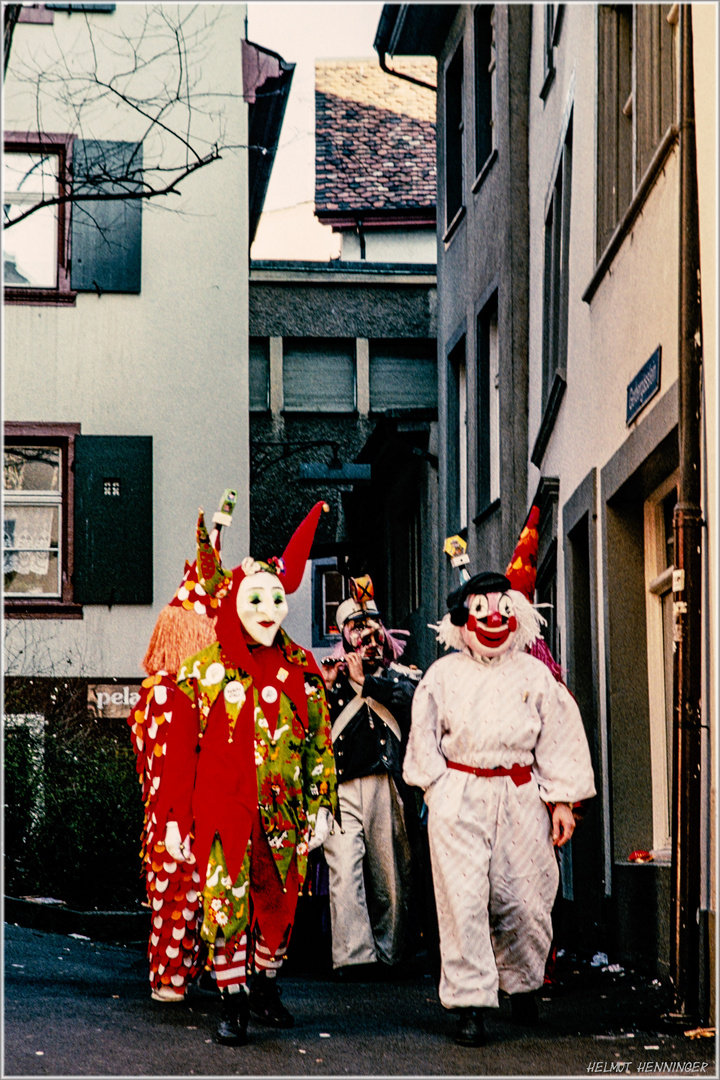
{"type": "Point", "coordinates": [644, 386]}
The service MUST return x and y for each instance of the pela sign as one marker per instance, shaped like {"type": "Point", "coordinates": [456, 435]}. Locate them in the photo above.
{"type": "Point", "coordinates": [112, 701]}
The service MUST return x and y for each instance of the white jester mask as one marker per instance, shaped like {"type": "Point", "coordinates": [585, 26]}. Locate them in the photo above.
{"type": "Point", "coordinates": [491, 624]}
{"type": "Point", "coordinates": [261, 605]}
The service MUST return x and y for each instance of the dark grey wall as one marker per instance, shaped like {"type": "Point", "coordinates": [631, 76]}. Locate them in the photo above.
{"type": "Point", "coordinates": [490, 250]}
{"type": "Point", "coordinates": [327, 310]}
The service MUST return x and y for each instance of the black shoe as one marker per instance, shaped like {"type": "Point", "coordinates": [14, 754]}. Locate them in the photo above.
{"type": "Point", "coordinates": [470, 1028]}
{"type": "Point", "coordinates": [265, 1003]}
{"type": "Point", "coordinates": [232, 1029]}
{"type": "Point", "coordinates": [524, 1009]}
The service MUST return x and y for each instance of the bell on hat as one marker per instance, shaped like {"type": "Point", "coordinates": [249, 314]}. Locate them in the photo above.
{"type": "Point", "coordinates": [522, 568]}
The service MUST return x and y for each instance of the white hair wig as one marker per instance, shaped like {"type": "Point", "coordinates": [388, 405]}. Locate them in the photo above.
{"type": "Point", "coordinates": [529, 625]}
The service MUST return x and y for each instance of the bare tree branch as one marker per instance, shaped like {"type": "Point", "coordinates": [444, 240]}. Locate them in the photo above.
{"type": "Point", "coordinates": [150, 81]}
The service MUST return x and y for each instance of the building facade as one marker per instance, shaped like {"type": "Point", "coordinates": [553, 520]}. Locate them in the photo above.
{"type": "Point", "coordinates": [590, 405]}
{"type": "Point", "coordinates": [125, 389]}
{"type": "Point", "coordinates": [342, 361]}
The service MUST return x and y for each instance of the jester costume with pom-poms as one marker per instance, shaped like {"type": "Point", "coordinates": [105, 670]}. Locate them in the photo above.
{"type": "Point", "coordinates": [250, 762]}
{"type": "Point", "coordinates": [172, 888]}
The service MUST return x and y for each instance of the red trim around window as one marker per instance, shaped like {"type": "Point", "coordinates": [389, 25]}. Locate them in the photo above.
{"type": "Point", "coordinates": [39, 433]}
{"type": "Point", "coordinates": [62, 145]}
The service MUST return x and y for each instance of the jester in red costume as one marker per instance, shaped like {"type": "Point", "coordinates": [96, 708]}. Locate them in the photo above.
{"type": "Point", "coordinates": [249, 783]}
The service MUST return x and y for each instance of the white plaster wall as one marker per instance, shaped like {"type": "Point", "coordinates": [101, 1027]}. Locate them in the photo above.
{"type": "Point", "coordinates": [392, 245]}
{"type": "Point", "coordinates": [635, 306]}
{"type": "Point", "coordinates": [170, 362]}
{"type": "Point", "coordinates": [294, 232]}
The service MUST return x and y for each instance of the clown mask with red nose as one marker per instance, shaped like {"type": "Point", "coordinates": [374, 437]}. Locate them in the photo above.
{"type": "Point", "coordinates": [491, 624]}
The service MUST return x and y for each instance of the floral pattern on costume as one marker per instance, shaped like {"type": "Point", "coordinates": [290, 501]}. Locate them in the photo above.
{"type": "Point", "coordinates": [226, 902]}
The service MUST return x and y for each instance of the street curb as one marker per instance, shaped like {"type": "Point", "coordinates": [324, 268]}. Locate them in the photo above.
{"type": "Point", "coordinates": [120, 926]}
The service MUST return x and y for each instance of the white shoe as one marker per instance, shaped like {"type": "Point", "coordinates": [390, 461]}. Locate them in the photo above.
{"type": "Point", "coordinates": [166, 993]}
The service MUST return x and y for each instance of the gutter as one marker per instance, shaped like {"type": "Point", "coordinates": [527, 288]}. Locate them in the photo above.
{"type": "Point", "coordinates": [391, 23]}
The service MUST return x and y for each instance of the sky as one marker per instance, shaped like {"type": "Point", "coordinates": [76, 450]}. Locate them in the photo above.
{"type": "Point", "coordinates": [303, 33]}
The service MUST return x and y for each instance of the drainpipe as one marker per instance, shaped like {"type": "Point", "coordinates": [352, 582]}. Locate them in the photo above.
{"type": "Point", "coordinates": [687, 576]}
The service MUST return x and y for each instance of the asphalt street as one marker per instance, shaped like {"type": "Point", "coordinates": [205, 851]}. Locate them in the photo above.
{"type": "Point", "coordinates": [75, 1007]}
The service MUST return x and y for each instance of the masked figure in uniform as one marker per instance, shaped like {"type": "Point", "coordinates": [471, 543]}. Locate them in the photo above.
{"type": "Point", "coordinates": [369, 859]}
{"type": "Point", "coordinates": [249, 784]}
{"type": "Point", "coordinates": [497, 743]}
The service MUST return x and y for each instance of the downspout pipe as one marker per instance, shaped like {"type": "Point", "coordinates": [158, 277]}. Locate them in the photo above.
{"type": "Point", "coordinates": [685, 970]}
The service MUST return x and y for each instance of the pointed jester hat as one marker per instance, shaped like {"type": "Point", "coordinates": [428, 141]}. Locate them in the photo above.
{"type": "Point", "coordinates": [222, 585]}
{"type": "Point", "coordinates": [522, 568]}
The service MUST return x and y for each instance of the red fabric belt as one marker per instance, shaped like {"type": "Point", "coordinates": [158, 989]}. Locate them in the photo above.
{"type": "Point", "coordinates": [519, 774]}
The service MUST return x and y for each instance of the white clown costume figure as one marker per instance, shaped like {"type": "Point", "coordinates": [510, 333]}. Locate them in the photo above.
{"type": "Point", "coordinates": [498, 745]}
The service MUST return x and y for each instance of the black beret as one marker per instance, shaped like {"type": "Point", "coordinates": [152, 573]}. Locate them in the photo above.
{"type": "Point", "coordinates": [487, 582]}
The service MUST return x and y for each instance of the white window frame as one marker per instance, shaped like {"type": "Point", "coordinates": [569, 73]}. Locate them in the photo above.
{"type": "Point", "coordinates": [658, 583]}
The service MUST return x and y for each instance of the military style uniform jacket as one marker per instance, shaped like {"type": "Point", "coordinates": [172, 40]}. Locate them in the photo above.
{"type": "Point", "coordinates": [370, 730]}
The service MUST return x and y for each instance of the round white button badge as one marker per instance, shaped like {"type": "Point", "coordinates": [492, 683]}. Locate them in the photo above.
{"type": "Point", "coordinates": [269, 695]}
{"type": "Point", "coordinates": [234, 693]}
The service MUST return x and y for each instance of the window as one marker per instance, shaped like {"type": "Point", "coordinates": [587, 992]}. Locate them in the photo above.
{"type": "Point", "coordinates": [86, 244]}
{"type": "Point", "coordinates": [659, 562]}
{"type": "Point", "coordinates": [319, 375]}
{"type": "Point", "coordinates": [615, 128]}
{"type": "Point", "coordinates": [38, 487]}
{"type": "Point", "coordinates": [36, 249]}
{"type": "Point", "coordinates": [403, 374]}
{"type": "Point", "coordinates": [555, 292]}
{"type": "Point", "coordinates": [636, 104]}
{"type": "Point", "coordinates": [553, 22]}
{"type": "Point", "coordinates": [488, 406]}
{"type": "Point", "coordinates": [485, 65]}
{"type": "Point", "coordinates": [457, 438]}
{"type": "Point", "coordinates": [405, 563]}
{"type": "Point", "coordinates": [454, 138]}
{"type": "Point", "coordinates": [546, 591]}
{"type": "Point", "coordinates": [259, 377]}
{"type": "Point", "coordinates": [329, 591]}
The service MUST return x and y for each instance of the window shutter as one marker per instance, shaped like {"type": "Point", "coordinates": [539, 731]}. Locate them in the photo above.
{"type": "Point", "coordinates": [403, 375]}
{"type": "Point", "coordinates": [113, 520]}
{"type": "Point", "coordinates": [259, 374]}
{"type": "Point", "coordinates": [319, 374]}
{"type": "Point", "coordinates": [106, 235]}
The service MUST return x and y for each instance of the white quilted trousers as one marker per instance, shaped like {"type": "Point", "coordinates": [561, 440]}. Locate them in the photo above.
{"type": "Point", "coordinates": [495, 876]}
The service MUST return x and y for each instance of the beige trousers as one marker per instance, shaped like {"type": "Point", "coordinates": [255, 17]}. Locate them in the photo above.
{"type": "Point", "coordinates": [369, 925]}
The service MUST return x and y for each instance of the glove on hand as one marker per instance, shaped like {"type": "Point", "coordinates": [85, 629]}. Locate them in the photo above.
{"type": "Point", "coordinates": [321, 830]}
{"type": "Point", "coordinates": [178, 849]}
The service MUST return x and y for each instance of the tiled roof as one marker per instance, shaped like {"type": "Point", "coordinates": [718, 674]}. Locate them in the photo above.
{"type": "Point", "coordinates": [374, 136]}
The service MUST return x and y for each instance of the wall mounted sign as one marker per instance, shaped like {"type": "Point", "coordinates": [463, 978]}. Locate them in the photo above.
{"type": "Point", "coordinates": [110, 700]}
{"type": "Point", "coordinates": [644, 386]}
